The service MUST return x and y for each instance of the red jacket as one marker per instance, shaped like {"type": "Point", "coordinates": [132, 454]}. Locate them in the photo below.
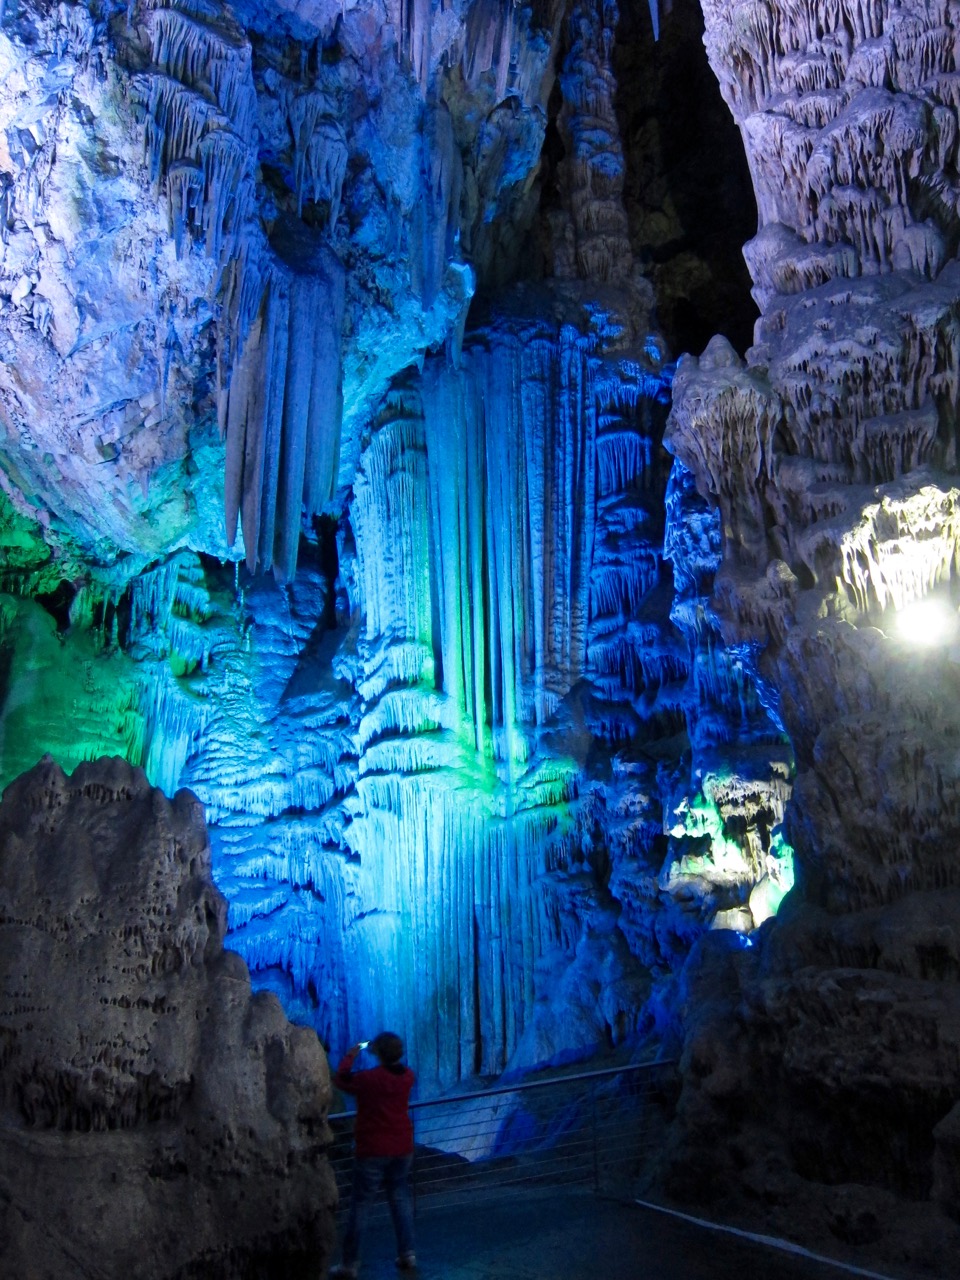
{"type": "Point", "coordinates": [383, 1127]}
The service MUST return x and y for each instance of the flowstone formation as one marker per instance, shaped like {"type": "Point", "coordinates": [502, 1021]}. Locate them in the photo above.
{"type": "Point", "coordinates": [828, 1055]}
{"type": "Point", "coordinates": [412, 599]}
{"type": "Point", "coordinates": [158, 1119]}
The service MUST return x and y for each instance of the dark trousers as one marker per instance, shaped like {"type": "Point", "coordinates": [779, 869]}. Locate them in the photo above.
{"type": "Point", "coordinates": [369, 1175]}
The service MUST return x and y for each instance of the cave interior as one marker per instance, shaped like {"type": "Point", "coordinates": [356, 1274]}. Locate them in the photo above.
{"type": "Point", "coordinates": [492, 466]}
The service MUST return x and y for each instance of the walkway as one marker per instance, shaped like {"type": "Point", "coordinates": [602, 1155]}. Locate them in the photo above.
{"type": "Point", "coordinates": [574, 1235]}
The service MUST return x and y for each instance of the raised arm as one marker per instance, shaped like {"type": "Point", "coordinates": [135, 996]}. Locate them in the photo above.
{"type": "Point", "coordinates": [343, 1076]}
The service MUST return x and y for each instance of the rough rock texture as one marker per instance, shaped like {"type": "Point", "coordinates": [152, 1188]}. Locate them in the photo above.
{"type": "Point", "coordinates": [158, 1120]}
{"type": "Point", "coordinates": [276, 199]}
{"type": "Point", "coordinates": [483, 740]}
{"type": "Point", "coordinates": [516, 681]}
{"type": "Point", "coordinates": [827, 1057]}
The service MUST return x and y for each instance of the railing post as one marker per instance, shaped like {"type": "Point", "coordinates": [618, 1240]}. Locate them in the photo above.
{"type": "Point", "coordinates": [413, 1167]}
{"type": "Point", "coordinates": [596, 1141]}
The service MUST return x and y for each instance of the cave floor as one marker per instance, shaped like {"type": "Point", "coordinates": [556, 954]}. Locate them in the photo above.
{"type": "Point", "coordinates": [572, 1235]}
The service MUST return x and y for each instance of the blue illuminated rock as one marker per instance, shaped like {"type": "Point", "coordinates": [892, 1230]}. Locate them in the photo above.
{"type": "Point", "coordinates": [242, 198]}
{"type": "Point", "coordinates": [475, 767]}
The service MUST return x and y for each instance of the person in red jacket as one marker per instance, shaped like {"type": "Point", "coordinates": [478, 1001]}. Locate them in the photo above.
{"type": "Point", "coordinates": [383, 1138]}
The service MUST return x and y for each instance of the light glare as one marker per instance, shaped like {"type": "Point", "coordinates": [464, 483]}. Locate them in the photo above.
{"type": "Point", "coordinates": [926, 623]}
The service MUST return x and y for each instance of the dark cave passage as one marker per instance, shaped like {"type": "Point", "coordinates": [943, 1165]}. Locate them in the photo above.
{"type": "Point", "coordinates": [688, 193]}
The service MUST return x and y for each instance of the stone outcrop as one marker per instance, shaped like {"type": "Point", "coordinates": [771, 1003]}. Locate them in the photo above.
{"type": "Point", "coordinates": [158, 1120]}
{"type": "Point", "coordinates": [829, 1054]}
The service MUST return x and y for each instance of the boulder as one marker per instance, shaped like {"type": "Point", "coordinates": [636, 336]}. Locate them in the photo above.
{"type": "Point", "coordinates": [157, 1118]}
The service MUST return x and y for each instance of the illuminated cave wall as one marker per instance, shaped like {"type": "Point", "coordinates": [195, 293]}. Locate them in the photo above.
{"type": "Point", "coordinates": [822, 1065]}
{"type": "Point", "coordinates": [417, 606]}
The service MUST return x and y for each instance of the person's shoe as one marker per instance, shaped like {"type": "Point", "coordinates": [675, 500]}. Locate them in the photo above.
{"type": "Point", "coordinates": [343, 1272]}
{"type": "Point", "coordinates": [407, 1262]}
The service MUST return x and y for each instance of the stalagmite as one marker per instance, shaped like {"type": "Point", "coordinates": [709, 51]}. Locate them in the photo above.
{"type": "Point", "coordinates": [143, 1095]}
{"type": "Point", "coordinates": [595, 163]}
{"type": "Point", "coordinates": [831, 456]}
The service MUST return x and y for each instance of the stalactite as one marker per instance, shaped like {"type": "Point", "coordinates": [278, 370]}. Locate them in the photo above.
{"type": "Point", "coordinates": [882, 559]}
{"type": "Point", "coordinates": [487, 42]}
{"type": "Point", "coordinates": [508, 550]}
{"type": "Point", "coordinates": [207, 60]}
{"type": "Point", "coordinates": [455, 454]}
{"type": "Point", "coordinates": [320, 150]}
{"type": "Point", "coordinates": [438, 212]}
{"type": "Point", "coordinates": [490, 935]}
{"type": "Point", "coordinates": [279, 363]}
{"type": "Point", "coordinates": [283, 407]}
{"type": "Point", "coordinates": [415, 29]}
{"type": "Point", "coordinates": [391, 517]}
{"type": "Point", "coordinates": [513, 519]}
{"type": "Point", "coordinates": [622, 458]}
{"type": "Point", "coordinates": [525, 567]}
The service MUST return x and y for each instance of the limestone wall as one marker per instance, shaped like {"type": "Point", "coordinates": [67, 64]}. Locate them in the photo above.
{"type": "Point", "coordinates": [157, 1119]}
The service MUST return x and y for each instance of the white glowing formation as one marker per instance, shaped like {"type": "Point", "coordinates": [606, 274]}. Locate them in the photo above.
{"type": "Point", "coordinates": [927, 623]}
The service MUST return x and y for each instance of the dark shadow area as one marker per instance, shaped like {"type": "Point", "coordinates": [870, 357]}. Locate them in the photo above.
{"type": "Point", "coordinates": [57, 603]}
{"type": "Point", "coordinates": [688, 194]}
{"type": "Point", "coordinates": [571, 1234]}
{"type": "Point", "coordinates": [328, 561]}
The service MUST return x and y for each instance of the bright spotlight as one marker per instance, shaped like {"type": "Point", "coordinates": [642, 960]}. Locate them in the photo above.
{"type": "Point", "coordinates": [926, 623]}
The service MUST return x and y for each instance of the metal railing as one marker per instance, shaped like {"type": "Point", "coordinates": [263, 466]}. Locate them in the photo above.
{"type": "Point", "coordinates": [595, 1128]}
